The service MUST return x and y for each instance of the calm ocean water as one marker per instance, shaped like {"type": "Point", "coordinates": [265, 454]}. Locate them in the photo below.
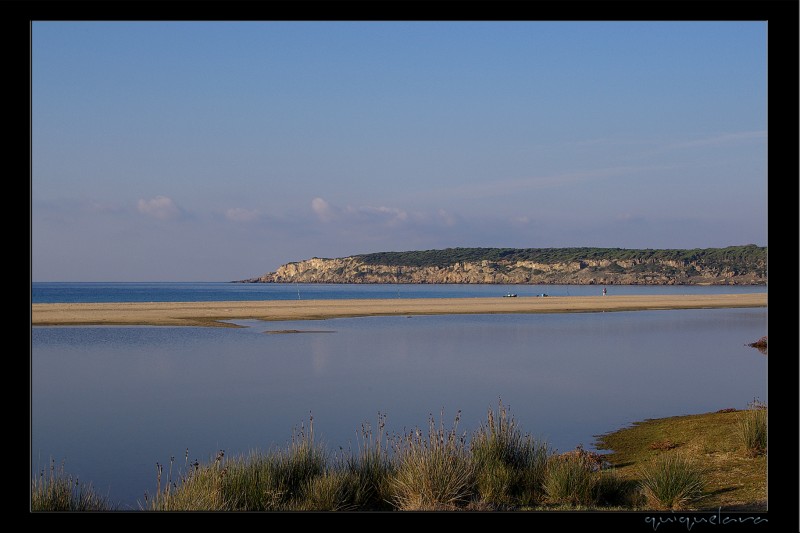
{"type": "Point", "coordinates": [110, 402]}
{"type": "Point", "coordinates": [213, 292]}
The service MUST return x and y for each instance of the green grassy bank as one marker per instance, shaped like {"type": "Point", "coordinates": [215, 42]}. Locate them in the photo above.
{"type": "Point", "coordinates": [729, 446]}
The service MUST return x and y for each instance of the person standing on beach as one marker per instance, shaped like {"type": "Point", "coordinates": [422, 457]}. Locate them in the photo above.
{"type": "Point", "coordinates": [604, 291]}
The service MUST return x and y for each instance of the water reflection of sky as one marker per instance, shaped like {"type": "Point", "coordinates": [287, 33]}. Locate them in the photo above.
{"type": "Point", "coordinates": [113, 401]}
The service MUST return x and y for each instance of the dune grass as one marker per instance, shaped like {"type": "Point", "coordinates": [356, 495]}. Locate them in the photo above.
{"type": "Point", "coordinates": [56, 490]}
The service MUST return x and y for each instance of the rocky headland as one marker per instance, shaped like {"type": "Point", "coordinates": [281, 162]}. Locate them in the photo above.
{"type": "Point", "coordinates": [736, 265]}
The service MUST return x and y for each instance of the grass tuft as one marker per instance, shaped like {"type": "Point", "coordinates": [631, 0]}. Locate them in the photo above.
{"type": "Point", "coordinates": [752, 428]}
{"type": "Point", "coordinates": [572, 478]}
{"type": "Point", "coordinates": [671, 481]}
{"type": "Point", "coordinates": [273, 481]}
{"type": "Point", "coordinates": [509, 465]}
{"type": "Point", "coordinates": [331, 491]}
{"type": "Point", "coordinates": [370, 469]}
{"type": "Point", "coordinates": [434, 471]}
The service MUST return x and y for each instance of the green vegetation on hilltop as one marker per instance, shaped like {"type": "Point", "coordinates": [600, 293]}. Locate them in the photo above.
{"type": "Point", "coordinates": [749, 257]}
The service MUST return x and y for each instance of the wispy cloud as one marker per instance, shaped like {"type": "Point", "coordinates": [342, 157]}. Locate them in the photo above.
{"type": "Point", "coordinates": [323, 210]}
{"type": "Point", "coordinates": [514, 186]}
{"type": "Point", "coordinates": [722, 140]}
{"type": "Point", "coordinates": [719, 140]}
{"type": "Point", "coordinates": [359, 214]}
{"type": "Point", "coordinates": [447, 218]}
{"type": "Point", "coordinates": [381, 214]}
{"type": "Point", "coordinates": [605, 143]}
{"type": "Point", "coordinates": [160, 207]}
{"type": "Point", "coordinates": [105, 207]}
{"type": "Point", "coordinates": [240, 214]}
{"type": "Point", "coordinates": [629, 218]}
{"type": "Point", "coordinates": [657, 145]}
{"type": "Point", "coordinates": [383, 220]}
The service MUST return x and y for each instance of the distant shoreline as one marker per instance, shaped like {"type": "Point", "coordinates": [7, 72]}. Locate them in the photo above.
{"type": "Point", "coordinates": [214, 313]}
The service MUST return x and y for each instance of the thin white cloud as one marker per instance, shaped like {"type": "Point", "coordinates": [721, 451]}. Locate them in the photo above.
{"type": "Point", "coordinates": [447, 218]}
{"type": "Point", "coordinates": [514, 186]}
{"type": "Point", "coordinates": [389, 215]}
{"type": "Point", "coordinates": [104, 207]}
{"type": "Point", "coordinates": [362, 214]}
{"type": "Point", "coordinates": [323, 210]}
{"type": "Point", "coordinates": [364, 219]}
{"type": "Point", "coordinates": [654, 144]}
{"type": "Point", "coordinates": [607, 143]}
{"type": "Point", "coordinates": [715, 141]}
{"type": "Point", "coordinates": [160, 207]}
{"type": "Point", "coordinates": [720, 140]}
{"type": "Point", "coordinates": [240, 214]}
{"type": "Point", "coordinates": [628, 218]}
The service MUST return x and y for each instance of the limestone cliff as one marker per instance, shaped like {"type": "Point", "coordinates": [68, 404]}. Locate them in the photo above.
{"type": "Point", "coordinates": [600, 266]}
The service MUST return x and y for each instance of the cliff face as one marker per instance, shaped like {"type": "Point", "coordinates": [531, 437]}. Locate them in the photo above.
{"type": "Point", "coordinates": [584, 272]}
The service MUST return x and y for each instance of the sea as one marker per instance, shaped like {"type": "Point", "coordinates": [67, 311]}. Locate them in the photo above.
{"type": "Point", "coordinates": [109, 403]}
{"type": "Point", "coordinates": [94, 292]}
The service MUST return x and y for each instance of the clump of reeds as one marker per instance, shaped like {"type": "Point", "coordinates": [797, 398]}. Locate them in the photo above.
{"type": "Point", "coordinates": [433, 470]}
{"type": "Point", "coordinates": [357, 480]}
{"type": "Point", "coordinates": [334, 490]}
{"type": "Point", "coordinates": [58, 491]}
{"type": "Point", "coordinates": [671, 481]}
{"type": "Point", "coordinates": [197, 488]}
{"type": "Point", "coordinates": [573, 478]}
{"type": "Point", "coordinates": [277, 480]}
{"type": "Point", "coordinates": [370, 469]}
{"type": "Point", "coordinates": [753, 428]}
{"type": "Point", "coordinates": [509, 465]}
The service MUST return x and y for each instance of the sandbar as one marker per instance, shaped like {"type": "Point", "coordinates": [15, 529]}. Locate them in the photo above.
{"type": "Point", "coordinates": [215, 313]}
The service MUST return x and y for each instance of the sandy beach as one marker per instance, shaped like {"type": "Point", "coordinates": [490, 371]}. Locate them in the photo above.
{"type": "Point", "coordinates": [213, 313]}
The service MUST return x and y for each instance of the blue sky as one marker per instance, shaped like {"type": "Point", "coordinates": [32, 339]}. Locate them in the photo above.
{"type": "Point", "coordinates": [214, 151]}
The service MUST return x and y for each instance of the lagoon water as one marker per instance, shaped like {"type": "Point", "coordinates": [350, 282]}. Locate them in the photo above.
{"type": "Point", "coordinates": [110, 402]}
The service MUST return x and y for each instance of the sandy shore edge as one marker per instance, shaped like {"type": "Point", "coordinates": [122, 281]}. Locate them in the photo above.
{"type": "Point", "coordinates": [212, 313]}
